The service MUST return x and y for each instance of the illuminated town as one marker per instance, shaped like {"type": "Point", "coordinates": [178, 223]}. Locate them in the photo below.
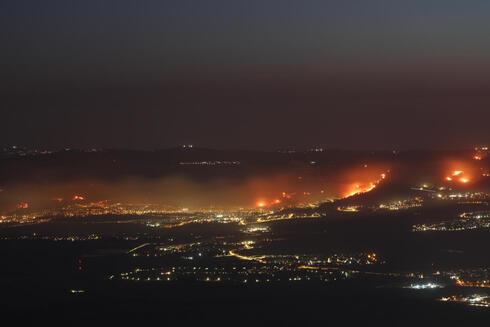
{"type": "Point", "coordinates": [362, 226]}
{"type": "Point", "coordinates": [245, 163]}
{"type": "Point", "coordinates": [393, 229]}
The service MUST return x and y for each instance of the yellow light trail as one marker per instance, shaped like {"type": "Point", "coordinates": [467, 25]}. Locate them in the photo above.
{"type": "Point", "coordinates": [243, 257]}
{"type": "Point", "coordinates": [317, 268]}
{"type": "Point", "coordinates": [138, 247]}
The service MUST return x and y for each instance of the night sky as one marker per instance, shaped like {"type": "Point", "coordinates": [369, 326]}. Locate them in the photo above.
{"type": "Point", "coordinates": [245, 74]}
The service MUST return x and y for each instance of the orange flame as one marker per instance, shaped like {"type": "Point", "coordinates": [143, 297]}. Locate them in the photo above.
{"type": "Point", "coordinates": [358, 189]}
{"type": "Point", "coordinates": [364, 188]}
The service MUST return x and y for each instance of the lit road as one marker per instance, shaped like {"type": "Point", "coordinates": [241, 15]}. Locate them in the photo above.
{"type": "Point", "coordinates": [138, 247]}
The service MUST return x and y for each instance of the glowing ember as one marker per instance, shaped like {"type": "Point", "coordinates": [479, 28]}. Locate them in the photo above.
{"type": "Point", "coordinates": [457, 172]}
{"type": "Point", "coordinates": [260, 204]}
{"type": "Point", "coordinates": [449, 178]}
{"type": "Point", "coordinates": [464, 180]}
{"type": "Point", "coordinates": [23, 206]}
{"type": "Point", "coordinates": [277, 201]}
{"type": "Point", "coordinates": [78, 198]}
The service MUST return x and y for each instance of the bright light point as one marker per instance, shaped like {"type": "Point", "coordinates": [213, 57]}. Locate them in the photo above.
{"type": "Point", "coordinates": [260, 204]}
{"type": "Point", "coordinates": [464, 180]}
{"type": "Point", "coordinates": [449, 178]}
{"type": "Point", "coordinates": [457, 172]}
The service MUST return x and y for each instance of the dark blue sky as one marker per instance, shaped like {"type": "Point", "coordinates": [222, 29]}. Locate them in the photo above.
{"type": "Point", "coordinates": [248, 74]}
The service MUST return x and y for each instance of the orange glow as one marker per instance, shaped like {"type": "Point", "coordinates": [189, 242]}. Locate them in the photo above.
{"type": "Point", "coordinates": [277, 201]}
{"type": "Point", "coordinates": [461, 176]}
{"type": "Point", "coordinates": [78, 198]}
{"type": "Point", "coordinates": [260, 204]}
{"type": "Point", "coordinates": [358, 189]}
{"type": "Point", "coordinates": [371, 187]}
{"type": "Point", "coordinates": [57, 199]}
{"type": "Point", "coordinates": [477, 157]}
{"type": "Point", "coordinates": [23, 206]}
{"type": "Point", "coordinates": [464, 171]}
